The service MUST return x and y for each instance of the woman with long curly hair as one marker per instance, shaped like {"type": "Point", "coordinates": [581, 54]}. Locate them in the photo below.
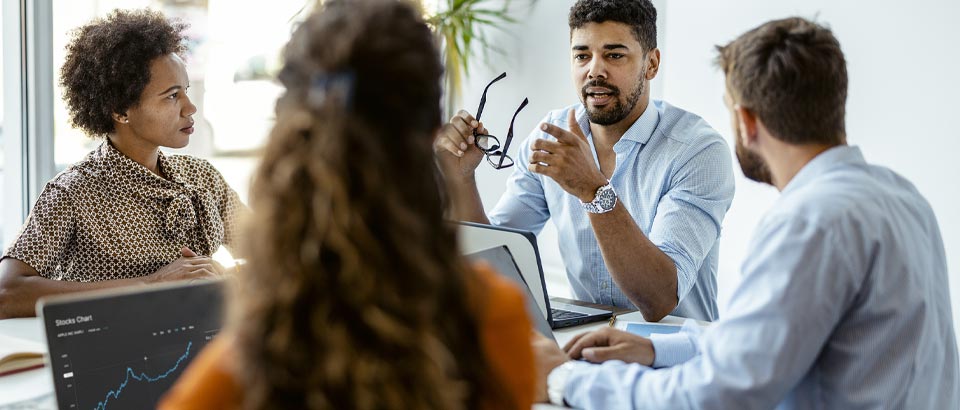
{"type": "Point", "coordinates": [355, 295]}
{"type": "Point", "coordinates": [127, 214]}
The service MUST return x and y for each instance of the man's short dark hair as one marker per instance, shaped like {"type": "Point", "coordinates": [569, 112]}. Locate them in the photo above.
{"type": "Point", "coordinates": [640, 15]}
{"type": "Point", "coordinates": [792, 74]}
{"type": "Point", "coordinates": [108, 65]}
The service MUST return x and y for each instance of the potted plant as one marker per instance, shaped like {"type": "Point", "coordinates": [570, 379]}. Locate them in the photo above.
{"type": "Point", "coordinates": [461, 27]}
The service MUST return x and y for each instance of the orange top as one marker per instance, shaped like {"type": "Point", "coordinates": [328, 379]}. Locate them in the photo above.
{"type": "Point", "coordinates": [505, 330]}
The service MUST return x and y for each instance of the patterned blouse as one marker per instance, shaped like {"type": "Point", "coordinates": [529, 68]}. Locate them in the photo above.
{"type": "Point", "coordinates": [108, 217]}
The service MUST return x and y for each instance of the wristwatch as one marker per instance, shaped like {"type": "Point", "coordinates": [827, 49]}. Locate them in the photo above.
{"type": "Point", "coordinates": [604, 200]}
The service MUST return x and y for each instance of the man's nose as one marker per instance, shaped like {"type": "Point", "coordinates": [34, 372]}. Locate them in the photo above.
{"type": "Point", "coordinates": [597, 69]}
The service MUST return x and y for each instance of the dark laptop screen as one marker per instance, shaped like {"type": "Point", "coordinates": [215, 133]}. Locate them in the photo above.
{"type": "Point", "coordinates": [123, 351]}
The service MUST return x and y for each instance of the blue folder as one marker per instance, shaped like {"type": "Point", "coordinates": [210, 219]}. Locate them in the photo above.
{"type": "Point", "coordinates": [646, 329]}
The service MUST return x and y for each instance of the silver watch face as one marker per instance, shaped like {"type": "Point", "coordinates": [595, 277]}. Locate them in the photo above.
{"type": "Point", "coordinates": [606, 199]}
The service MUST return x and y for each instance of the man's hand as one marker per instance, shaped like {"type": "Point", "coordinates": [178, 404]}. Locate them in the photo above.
{"type": "Point", "coordinates": [188, 266]}
{"type": "Point", "coordinates": [547, 356]}
{"type": "Point", "coordinates": [568, 160]}
{"type": "Point", "coordinates": [611, 344]}
{"type": "Point", "coordinates": [455, 147]}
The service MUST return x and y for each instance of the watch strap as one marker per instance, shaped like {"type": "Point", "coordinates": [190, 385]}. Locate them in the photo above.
{"type": "Point", "coordinates": [596, 205]}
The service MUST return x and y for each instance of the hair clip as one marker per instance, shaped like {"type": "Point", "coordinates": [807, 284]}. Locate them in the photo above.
{"type": "Point", "coordinates": [337, 86]}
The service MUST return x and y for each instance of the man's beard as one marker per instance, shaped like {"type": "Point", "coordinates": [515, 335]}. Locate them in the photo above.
{"type": "Point", "coordinates": [751, 164]}
{"type": "Point", "coordinates": [610, 115]}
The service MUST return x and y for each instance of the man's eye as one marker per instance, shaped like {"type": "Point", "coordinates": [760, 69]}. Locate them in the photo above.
{"type": "Point", "coordinates": [174, 96]}
{"type": "Point", "coordinates": [615, 56]}
{"type": "Point", "coordinates": [580, 57]}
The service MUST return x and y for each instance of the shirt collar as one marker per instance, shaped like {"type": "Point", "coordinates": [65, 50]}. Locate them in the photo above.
{"type": "Point", "coordinates": [641, 130]}
{"type": "Point", "coordinates": [827, 160]}
{"type": "Point", "coordinates": [117, 159]}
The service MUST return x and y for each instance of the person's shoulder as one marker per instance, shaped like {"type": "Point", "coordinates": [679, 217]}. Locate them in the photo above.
{"type": "Point", "coordinates": [79, 174]}
{"type": "Point", "coordinates": [209, 381]}
{"type": "Point", "coordinates": [684, 126]}
{"type": "Point", "coordinates": [848, 197]}
{"type": "Point", "coordinates": [191, 162]}
{"type": "Point", "coordinates": [199, 170]}
{"type": "Point", "coordinates": [500, 297]}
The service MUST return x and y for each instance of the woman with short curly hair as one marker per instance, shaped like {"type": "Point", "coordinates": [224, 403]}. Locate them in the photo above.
{"type": "Point", "coordinates": [127, 213]}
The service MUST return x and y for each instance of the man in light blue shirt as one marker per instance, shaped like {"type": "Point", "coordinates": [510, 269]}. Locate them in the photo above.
{"type": "Point", "coordinates": [844, 301]}
{"type": "Point", "coordinates": [636, 188]}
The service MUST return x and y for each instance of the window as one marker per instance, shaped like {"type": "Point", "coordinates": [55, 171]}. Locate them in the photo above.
{"type": "Point", "coordinates": [233, 54]}
{"type": "Point", "coordinates": [3, 155]}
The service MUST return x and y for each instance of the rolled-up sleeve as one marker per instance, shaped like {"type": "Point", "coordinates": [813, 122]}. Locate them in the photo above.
{"type": "Point", "coordinates": [523, 205]}
{"type": "Point", "coordinates": [690, 213]}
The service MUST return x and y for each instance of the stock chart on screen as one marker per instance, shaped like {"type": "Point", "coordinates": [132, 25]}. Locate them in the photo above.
{"type": "Point", "coordinates": [125, 350]}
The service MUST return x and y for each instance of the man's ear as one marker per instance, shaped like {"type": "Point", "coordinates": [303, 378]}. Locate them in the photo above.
{"type": "Point", "coordinates": [748, 125]}
{"type": "Point", "coordinates": [653, 64]}
{"type": "Point", "coordinates": [122, 118]}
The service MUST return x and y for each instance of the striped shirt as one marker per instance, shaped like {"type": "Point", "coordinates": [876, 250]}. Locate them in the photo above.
{"type": "Point", "coordinates": [673, 174]}
{"type": "Point", "coordinates": [844, 304]}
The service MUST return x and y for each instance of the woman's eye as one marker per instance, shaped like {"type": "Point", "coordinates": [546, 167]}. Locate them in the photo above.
{"type": "Point", "coordinates": [173, 96]}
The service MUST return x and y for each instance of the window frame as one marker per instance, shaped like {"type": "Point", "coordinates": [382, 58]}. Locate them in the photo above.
{"type": "Point", "coordinates": [28, 108]}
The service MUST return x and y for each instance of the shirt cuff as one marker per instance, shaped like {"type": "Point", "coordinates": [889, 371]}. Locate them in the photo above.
{"type": "Point", "coordinates": [672, 349]}
{"type": "Point", "coordinates": [557, 380]}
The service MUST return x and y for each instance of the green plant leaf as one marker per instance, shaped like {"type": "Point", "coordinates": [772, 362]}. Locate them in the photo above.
{"type": "Point", "coordinates": [463, 27]}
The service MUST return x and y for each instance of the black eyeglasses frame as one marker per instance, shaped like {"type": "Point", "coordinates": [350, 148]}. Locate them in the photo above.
{"type": "Point", "coordinates": [496, 157]}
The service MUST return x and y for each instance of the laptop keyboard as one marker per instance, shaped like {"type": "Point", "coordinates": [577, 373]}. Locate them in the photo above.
{"type": "Point", "coordinates": [558, 314]}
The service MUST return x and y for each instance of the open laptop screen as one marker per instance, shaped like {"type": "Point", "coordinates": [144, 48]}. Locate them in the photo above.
{"type": "Point", "coordinates": [124, 349]}
{"type": "Point", "coordinates": [502, 261]}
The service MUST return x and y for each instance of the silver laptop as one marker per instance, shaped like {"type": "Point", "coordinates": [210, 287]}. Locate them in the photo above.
{"type": "Point", "coordinates": [523, 248]}
{"type": "Point", "coordinates": [501, 260]}
{"type": "Point", "coordinates": [124, 348]}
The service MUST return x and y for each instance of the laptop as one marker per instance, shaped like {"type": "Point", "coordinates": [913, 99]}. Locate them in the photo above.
{"type": "Point", "coordinates": [502, 261]}
{"type": "Point", "coordinates": [522, 245]}
{"type": "Point", "coordinates": [124, 348]}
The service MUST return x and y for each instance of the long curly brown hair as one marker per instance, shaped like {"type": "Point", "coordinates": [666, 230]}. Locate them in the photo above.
{"type": "Point", "coordinates": [355, 296]}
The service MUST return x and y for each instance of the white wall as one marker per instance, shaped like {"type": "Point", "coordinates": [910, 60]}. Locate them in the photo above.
{"type": "Point", "coordinates": [902, 58]}
{"type": "Point", "coordinates": [902, 61]}
{"type": "Point", "coordinates": [536, 58]}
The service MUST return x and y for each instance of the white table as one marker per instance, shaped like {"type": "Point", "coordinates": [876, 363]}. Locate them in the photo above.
{"type": "Point", "coordinates": [36, 386]}
{"type": "Point", "coordinates": [31, 384]}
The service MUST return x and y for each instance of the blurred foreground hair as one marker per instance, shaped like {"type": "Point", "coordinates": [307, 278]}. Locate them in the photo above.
{"type": "Point", "coordinates": [356, 296]}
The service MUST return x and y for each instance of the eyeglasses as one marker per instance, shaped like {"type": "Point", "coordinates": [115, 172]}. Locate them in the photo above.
{"type": "Point", "coordinates": [489, 144]}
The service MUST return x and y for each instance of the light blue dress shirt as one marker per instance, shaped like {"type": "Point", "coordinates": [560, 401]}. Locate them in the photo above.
{"type": "Point", "coordinates": [675, 177]}
{"type": "Point", "coordinates": [844, 304]}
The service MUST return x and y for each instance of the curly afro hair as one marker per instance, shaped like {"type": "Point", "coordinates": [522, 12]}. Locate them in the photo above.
{"type": "Point", "coordinates": [640, 15]}
{"type": "Point", "coordinates": [108, 64]}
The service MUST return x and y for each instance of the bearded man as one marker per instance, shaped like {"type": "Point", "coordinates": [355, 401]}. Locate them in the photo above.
{"type": "Point", "coordinates": [637, 189]}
